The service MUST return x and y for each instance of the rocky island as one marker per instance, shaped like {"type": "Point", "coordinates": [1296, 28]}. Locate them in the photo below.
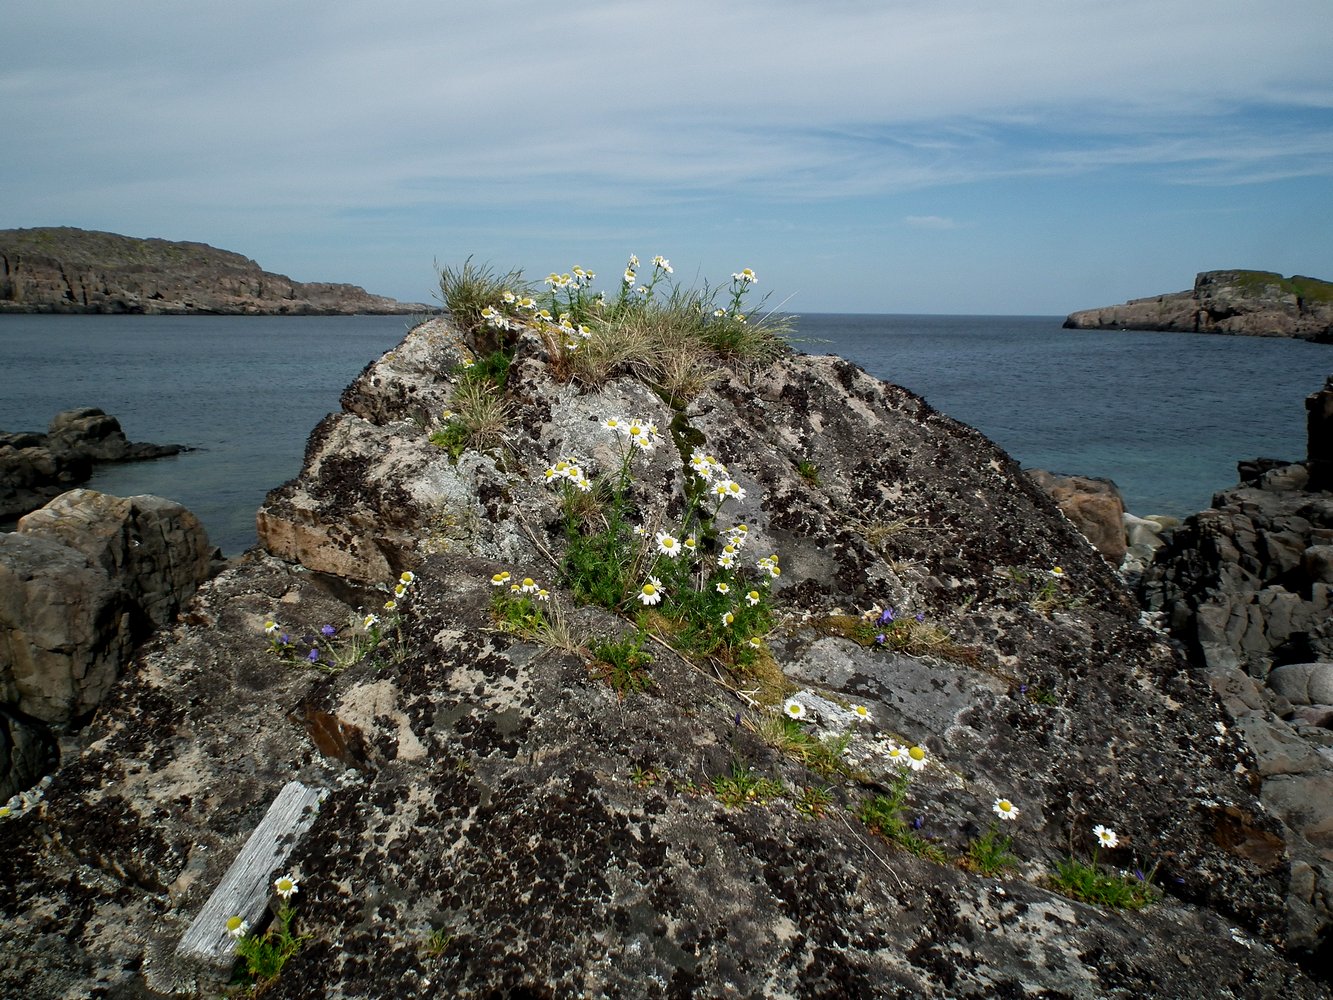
{"type": "Point", "coordinates": [67, 270]}
{"type": "Point", "coordinates": [582, 664]}
{"type": "Point", "coordinates": [1248, 303]}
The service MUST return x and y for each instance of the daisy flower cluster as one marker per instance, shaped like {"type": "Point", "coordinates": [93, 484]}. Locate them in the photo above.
{"type": "Point", "coordinates": [568, 469]}
{"type": "Point", "coordinates": [527, 587]}
{"type": "Point", "coordinates": [913, 758]}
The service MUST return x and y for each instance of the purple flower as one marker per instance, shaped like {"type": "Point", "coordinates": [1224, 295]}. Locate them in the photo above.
{"type": "Point", "coordinates": [329, 630]}
{"type": "Point", "coordinates": [920, 617]}
{"type": "Point", "coordinates": [285, 639]}
{"type": "Point", "coordinates": [880, 638]}
{"type": "Point", "coordinates": [918, 823]}
{"type": "Point", "coordinates": [886, 617]}
{"type": "Point", "coordinates": [314, 656]}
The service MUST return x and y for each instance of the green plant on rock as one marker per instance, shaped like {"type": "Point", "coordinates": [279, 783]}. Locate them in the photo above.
{"type": "Point", "coordinates": [478, 419]}
{"type": "Point", "coordinates": [813, 801]}
{"type": "Point", "coordinates": [703, 604]}
{"type": "Point", "coordinates": [1093, 882]}
{"type": "Point", "coordinates": [623, 663]}
{"type": "Point", "coordinates": [265, 955]}
{"type": "Point", "coordinates": [885, 814]}
{"type": "Point", "coordinates": [744, 787]}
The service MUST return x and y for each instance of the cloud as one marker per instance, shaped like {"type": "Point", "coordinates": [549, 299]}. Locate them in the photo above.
{"type": "Point", "coordinates": [930, 222]}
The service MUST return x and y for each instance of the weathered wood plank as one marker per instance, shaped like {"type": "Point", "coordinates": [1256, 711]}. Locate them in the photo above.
{"type": "Point", "coordinates": [246, 888]}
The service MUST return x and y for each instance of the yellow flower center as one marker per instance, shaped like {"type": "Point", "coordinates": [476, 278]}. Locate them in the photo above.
{"type": "Point", "coordinates": [916, 753]}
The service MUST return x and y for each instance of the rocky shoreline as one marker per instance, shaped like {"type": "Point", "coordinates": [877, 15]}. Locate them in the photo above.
{"type": "Point", "coordinates": [1248, 303]}
{"type": "Point", "coordinates": [35, 467]}
{"type": "Point", "coordinates": [66, 270]}
{"type": "Point", "coordinates": [498, 819]}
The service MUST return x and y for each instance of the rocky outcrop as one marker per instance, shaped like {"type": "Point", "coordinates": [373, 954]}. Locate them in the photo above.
{"type": "Point", "coordinates": [82, 582]}
{"type": "Point", "coordinates": [503, 821]}
{"type": "Point", "coordinates": [65, 270]}
{"type": "Point", "coordinates": [35, 468]}
{"type": "Point", "coordinates": [1247, 588]}
{"type": "Point", "coordinates": [1251, 303]}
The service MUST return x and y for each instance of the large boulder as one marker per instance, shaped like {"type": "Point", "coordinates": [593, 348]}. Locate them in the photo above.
{"type": "Point", "coordinates": [82, 582]}
{"type": "Point", "coordinates": [501, 820]}
{"type": "Point", "coordinates": [35, 468]}
{"type": "Point", "coordinates": [1093, 505]}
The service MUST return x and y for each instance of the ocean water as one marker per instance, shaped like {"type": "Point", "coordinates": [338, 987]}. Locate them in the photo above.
{"type": "Point", "coordinates": [1166, 416]}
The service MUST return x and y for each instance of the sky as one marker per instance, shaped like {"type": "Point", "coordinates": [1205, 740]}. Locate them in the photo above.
{"type": "Point", "coordinates": [891, 156]}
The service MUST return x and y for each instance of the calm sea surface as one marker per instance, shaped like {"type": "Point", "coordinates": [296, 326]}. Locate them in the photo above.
{"type": "Point", "coordinates": [1164, 415]}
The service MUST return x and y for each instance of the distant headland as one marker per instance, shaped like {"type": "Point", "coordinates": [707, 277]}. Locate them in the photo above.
{"type": "Point", "coordinates": [61, 269]}
{"type": "Point", "coordinates": [1247, 303]}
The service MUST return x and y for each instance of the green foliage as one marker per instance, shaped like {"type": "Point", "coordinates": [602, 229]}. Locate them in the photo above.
{"type": "Point", "coordinates": [437, 942]}
{"type": "Point", "coordinates": [808, 471]}
{"type": "Point", "coordinates": [492, 368]}
{"type": "Point", "coordinates": [827, 757]}
{"type": "Point", "coordinates": [478, 418]}
{"type": "Point", "coordinates": [265, 955]}
{"type": "Point", "coordinates": [989, 854]}
{"type": "Point", "coordinates": [623, 663]}
{"type": "Point", "coordinates": [469, 289]}
{"type": "Point", "coordinates": [743, 787]}
{"type": "Point", "coordinates": [884, 815]}
{"type": "Point", "coordinates": [814, 801]}
{"type": "Point", "coordinates": [1094, 883]}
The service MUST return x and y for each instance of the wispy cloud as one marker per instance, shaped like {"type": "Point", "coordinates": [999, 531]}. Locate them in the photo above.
{"type": "Point", "coordinates": [930, 222]}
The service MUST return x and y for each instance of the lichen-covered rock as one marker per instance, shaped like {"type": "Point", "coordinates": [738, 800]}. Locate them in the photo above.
{"type": "Point", "coordinates": [502, 822]}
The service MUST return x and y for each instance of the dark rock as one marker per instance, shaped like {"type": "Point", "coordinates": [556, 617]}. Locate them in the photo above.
{"type": "Point", "coordinates": [35, 468]}
{"type": "Point", "coordinates": [1253, 303]}
{"type": "Point", "coordinates": [65, 270]}
{"type": "Point", "coordinates": [1319, 436]}
{"type": "Point", "coordinates": [28, 752]}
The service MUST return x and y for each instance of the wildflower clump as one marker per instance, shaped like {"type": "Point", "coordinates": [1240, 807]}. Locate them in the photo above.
{"type": "Point", "coordinates": [266, 954]}
{"type": "Point", "coordinates": [990, 853]}
{"type": "Point", "coordinates": [331, 648]}
{"type": "Point", "coordinates": [1097, 883]}
{"type": "Point", "coordinates": [689, 573]}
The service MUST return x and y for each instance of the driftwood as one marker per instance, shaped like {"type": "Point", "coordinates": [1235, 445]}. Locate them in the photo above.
{"type": "Point", "coordinates": [247, 887]}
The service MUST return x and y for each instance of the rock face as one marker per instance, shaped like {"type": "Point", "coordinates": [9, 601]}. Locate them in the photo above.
{"type": "Point", "coordinates": [1251, 303]}
{"type": "Point", "coordinates": [65, 270]}
{"type": "Point", "coordinates": [35, 468]}
{"type": "Point", "coordinates": [1247, 588]}
{"type": "Point", "coordinates": [502, 821]}
{"type": "Point", "coordinates": [82, 581]}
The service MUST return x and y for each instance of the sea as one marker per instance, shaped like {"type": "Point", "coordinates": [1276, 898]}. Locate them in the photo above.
{"type": "Point", "coordinates": [1166, 416]}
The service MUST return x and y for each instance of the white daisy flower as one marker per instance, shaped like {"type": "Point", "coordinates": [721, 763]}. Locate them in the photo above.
{"type": "Point", "coordinates": [745, 276]}
{"type": "Point", "coordinates": [793, 709]}
{"type": "Point", "coordinates": [529, 585]}
{"type": "Point", "coordinates": [286, 886]}
{"type": "Point", "coordinates": [237, 927]}
{"type": "Point", "coordinates": [1105, 837]}
{"type": "Point", "coordinates": [861, 712]}
{"type": "Point", "coordinates": [1005, 809]}
{"type": "Point", "coordinates": [500, 579]}
{"type": "Point", "coordinates": [752, 598]}
{"type": "Point", "coordinates": [723, 588]}
{"type": "Point", "coordinates": [667, 544]}
{"type": "Point", "coordinates": [916, 758]}
{"type": "Point", "coordinates": [651, 592]}
{"type": "Point", "coordinates": [370, 621]}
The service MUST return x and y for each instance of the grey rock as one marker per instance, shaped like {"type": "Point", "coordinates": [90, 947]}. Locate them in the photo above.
{"type": "Point", "coordinates": [82, 581]}
{"type": "Point", "coordinates": [1304, 683]}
